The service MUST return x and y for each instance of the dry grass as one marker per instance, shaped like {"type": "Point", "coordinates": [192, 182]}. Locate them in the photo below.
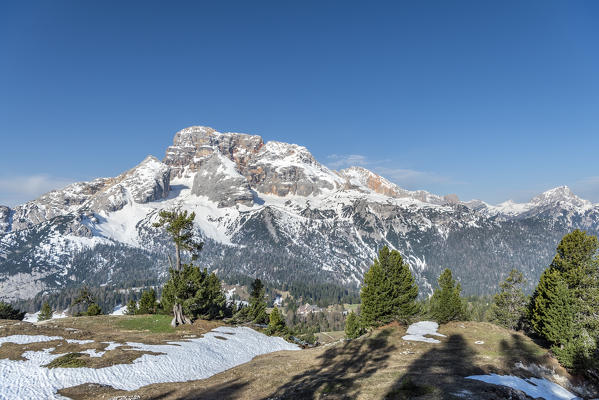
{"type": "Point", "coordinates": [379, 365]}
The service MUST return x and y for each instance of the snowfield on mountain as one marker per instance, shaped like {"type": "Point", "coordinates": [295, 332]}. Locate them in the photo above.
{"type": "Point", "coordinates": [271, 210]}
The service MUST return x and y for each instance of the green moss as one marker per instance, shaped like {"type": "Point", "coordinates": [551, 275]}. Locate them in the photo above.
{"type": "Point", "coordinates": [70, 360]}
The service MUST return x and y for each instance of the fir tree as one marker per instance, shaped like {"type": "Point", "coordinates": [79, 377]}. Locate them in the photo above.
{"type": "Point", "coordinates": [8, 312]}
{"type": "Point", "coordinates": [93, 309]}
{"type": "Point", "coordinates": [446, 304]}
{"type": "Point", "coordinates": [276, 323]}
{"type": "Point", "coordinates": [256, 312]}
{"type": "Point", "coordinates": [389, 291]}
{"type": "Point", "coordinates": [45, 312]}
{"type": "Point", "coordinates": [131, 308]}
{"type": "Point", "coordinates": [509, 305]}
{"type": "Point", "coordinates": [353, 328]}
{"type": "Point", "coordinates": [147, 303]}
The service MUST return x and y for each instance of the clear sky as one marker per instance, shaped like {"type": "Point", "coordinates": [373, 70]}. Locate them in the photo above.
{"type": "Point", "coordinates": [489, 100]}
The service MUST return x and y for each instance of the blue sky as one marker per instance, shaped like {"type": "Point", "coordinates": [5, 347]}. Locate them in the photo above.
{"type": "Point", "coordinates": [489, 100]}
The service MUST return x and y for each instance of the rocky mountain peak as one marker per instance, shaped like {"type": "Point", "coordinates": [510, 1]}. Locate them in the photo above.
{"type": "Point", "coordinates": [558, 194]}
{"type": "Point", "coordinates": [195, 145]}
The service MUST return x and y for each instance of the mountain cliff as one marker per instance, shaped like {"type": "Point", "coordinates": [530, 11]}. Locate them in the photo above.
{"type": "Point", "coordinates": [271, 210]}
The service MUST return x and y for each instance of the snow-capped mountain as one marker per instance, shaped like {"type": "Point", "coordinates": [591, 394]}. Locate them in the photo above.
{"type": "Point", "coordinates": [271, 210]}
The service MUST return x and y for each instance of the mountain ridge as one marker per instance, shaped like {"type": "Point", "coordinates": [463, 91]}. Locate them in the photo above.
{"type": "Point", "coordinates": [309, 222]}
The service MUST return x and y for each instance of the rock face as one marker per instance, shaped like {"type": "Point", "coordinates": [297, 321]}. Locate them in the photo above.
{"type": "Point", "coordinates": [5, 217]}
{"type": "Point", "coordinates": [149, 181]}
{"type": "Point", "coordinates": [220, 182]}
{"type": "Point", "coordinates": [270, 210]}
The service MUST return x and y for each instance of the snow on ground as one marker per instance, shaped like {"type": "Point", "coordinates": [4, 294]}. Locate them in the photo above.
{"type": "Point", "coordinates": [533, 387]}
{"type": "Point", "coordinates": [119, 310]}
{"type": "Point", "coordinates": [182, 361]}
{"type": "Point", "coordinates": [33, 317]}
{"type": "Point", "coordinates": [416, 332]}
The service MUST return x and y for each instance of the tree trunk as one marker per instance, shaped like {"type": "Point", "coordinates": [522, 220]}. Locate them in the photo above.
{"type": "Point", "coordinates": [179, 318]}
{"type": "Point", "coordinates": [178, 257]}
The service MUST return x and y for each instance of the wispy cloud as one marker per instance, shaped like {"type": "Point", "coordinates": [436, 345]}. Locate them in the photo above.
{"type": "Point", "coordinates": [19, 189]}
{"type": "Point", "coordinates": [404, 177]}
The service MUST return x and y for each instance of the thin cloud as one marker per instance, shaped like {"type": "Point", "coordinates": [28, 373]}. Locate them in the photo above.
{"type": "Point", "coordinates": [20, 189]}
{"type": "Point", "coordinates": [404, 177]}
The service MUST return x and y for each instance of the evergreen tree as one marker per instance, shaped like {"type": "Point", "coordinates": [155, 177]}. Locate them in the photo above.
{"type": "Point", "coordinates": [8, 312]}
{"type": "Point", "coordinates": [45, 312]}
{"type": "Point", "coordinates": [131, 308]}
{"type": "Point", "coordinates": [446, 304]}
{"type": "Point", "coordinates": [276, 323]}
{"type": "Point", "coordinates": [147, 303]}
{"type": "Point", "coordinates": [93, 309]}
{"type": "Point", "coordinates": [256, 312]}
{"type": "Point", "coordinates": [179, 225]}
{"type": "Point", "coordinates": [389, 291]}
{"type": "Point", "coordinates": [353, 328]}
{"type": "Point", "coordinates": [198, 292]}
{"type": "Point", "coordinates": [509, 305]}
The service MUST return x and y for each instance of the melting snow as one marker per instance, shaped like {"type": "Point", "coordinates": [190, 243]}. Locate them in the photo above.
{"type": "Point", "coordinates": [33, 317]}
{"type": "Point", "coordinates": [186, 360]}
{"type": "Point", "coordinates": [417, 331]}
{"type": "Point", "coordinates": [533, 387]}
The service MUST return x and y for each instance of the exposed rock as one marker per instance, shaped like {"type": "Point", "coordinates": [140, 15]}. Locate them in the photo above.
{"type": "Point", "coordinates": [194, 145]}
{"type": "Point", "coordinates": [219, 180]}
{"type": "Point", "coordinates": [148, 181]}
{"type": "Point", "coordinates": [5, 219]}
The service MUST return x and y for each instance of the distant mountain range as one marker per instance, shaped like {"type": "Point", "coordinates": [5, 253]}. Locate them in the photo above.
{"type": "Point", "coordinates": [271, 210]}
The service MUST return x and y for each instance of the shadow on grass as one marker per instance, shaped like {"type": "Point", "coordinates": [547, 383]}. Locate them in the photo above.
{"type": "Point", "coordinates": [439, 372]}
{"type": "Point", "coordinates": [339, 370]}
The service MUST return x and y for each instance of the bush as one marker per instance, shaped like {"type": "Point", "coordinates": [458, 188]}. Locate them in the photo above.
{"type": "Point", "coordinates": [276, 324]}
{"type": "Point", "coordinates": [93, 309]}
{"type": "Point", "coordinates": [45, 313]}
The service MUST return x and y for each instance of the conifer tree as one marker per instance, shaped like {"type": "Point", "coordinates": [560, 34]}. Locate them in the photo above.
{"type": "Point", "coordinates": [276, 323]}
{"type": "Point", "coordinates": [179, 225]}
{"type": "Point", "coordinates": [45, 312]}
{"type": "Point", "coordinates": [8, 312]}
{"type": "Point", "coordinates": [93, 309]}
{"type": "Point", "coordinates": [446, 304]}
{"type": "Point", "coordinates": [389, 291]}
{"type": "Point", "coordinates": [147, 302]}
{"type": "Point", "coordinates": [353, 327]}
{"type": "Point", "coordinates": [131, 308]}
{"type": "Point", "coordinates": [256, 312]}
{"type": "Point", "coordinates": [509, 305]}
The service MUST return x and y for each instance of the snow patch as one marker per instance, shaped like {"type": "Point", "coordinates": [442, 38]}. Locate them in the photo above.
{"type": "Point", "coordinates": [416, 332]}
{"type": "Point", "coordinates": [181, 361]}
{"type": "Point", "coordinates": [533, 387]}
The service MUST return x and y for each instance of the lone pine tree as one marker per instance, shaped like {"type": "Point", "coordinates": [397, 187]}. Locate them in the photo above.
{"type": "Point", "coordinates": [45, 312]}
{"type": "Point", "coordinates": [389, 291]}
{"type": "Point", "coordinates": [179, 225]}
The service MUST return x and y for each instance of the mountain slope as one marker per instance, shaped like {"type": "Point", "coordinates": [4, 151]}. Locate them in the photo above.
{"type": "Point", "coordinates": [271, 210]}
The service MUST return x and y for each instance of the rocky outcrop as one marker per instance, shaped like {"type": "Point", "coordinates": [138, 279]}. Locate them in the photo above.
{"type": "Point", "coordinates": [220, 182]}
{"type": "Point", "coordinates": [5, 219]}
{"type": "Point", "coordinates": [149, 181]}
{"type": "Point", "coordinates": [195, 145]}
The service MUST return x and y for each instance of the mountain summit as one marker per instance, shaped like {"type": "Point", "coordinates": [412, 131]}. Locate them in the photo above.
{"type": "Point", "coordinates": [271, 210]}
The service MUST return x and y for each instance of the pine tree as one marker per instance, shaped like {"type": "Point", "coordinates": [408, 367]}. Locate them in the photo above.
{"type": "Point", "coordinates": [45, 312]}
{"type": "Point", "coordinates": [276, 323]}
{"type": "Point", "coordinates": [389, 291]}
{"type": "Point", "coordinates": [147, 303]}
{"type": "Point", "coordinates": [131, 308]}
{"type": "Point", "coordinates": [8, 312]}
{"type": "Point", "coordinates": [353, 328]}
{"type": "Point", "coordinates": [446, 304]}
{"type": "Point", "coordinates": [509, 305]}
{"type": "Point", "coordinates": [256, 312]}
{"type": "Point", "coordinates": [179, 225]}
{"type": "Point", "coordinates": [93, 309]}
